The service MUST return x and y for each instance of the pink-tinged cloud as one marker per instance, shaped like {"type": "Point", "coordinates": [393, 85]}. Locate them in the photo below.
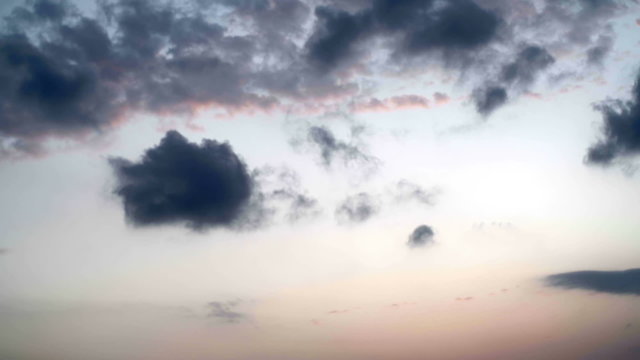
{"type": "Point", "coordinates": [392, 104]}
{"type": "Point", "coordinates": [533, 95]}
{"type": "Point", "coordinates": [441, 98]}
{"type": "Point", "coordinates": [638, 22]}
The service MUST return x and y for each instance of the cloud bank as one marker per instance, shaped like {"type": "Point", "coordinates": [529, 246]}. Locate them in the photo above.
{"type": "Point", "coordinates": [626, 282]}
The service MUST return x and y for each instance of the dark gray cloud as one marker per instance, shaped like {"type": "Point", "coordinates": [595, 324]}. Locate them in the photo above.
{"type": "Point", "coordinates": [421, 26]}
{"type": "Point", "coordinates": [620, 130]}
{"type": "Point", "coordinates": [225, 311]}
{"type": "Point", "coordinates": [202, 186]}
{"type": "Point", "coordinates": [335, 36]}
{"type": "Point", "coordinates": [333, 149]}
{"type": "Point", "coordinates": [626, 282]}
{"type": "Point", "coordinates": [489, 99]}
{"type": "Point", "coordinates": [357, 208]}
{"type": "Point", "coordinates": [528, 63]}
{"type": "Point", "coordinates": [515, 76]}
{"type": "Point", "coordinates": [597, 53]}
{"type": "Point", "coordinates": [421, 236]}
{"type": "Point", "coordinates": [65, 73]}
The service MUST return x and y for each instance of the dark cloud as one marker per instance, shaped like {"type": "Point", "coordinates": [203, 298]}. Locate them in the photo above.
{"type": "Point", "coordinates": [421, 26]}
{"type": "Point", "coordinates": [528, 63]}
{"type": "Point", "coordinates": [335, 36]}
{"type": "Point", "coordinates": [4, 251]}
{"type": "Point", "coordinates": [202, 186]}
{"type": "Point", "coordinates": [597, 53]}
{"type": "Point", "coordinates": [620, 130]}
{"type": "Point", "coordinates": [357, 208]}
{"type": "Point", "coordinates": [225, 311]}
{"type": "Point", "coordinates": [65, 73]}
{"type": "Point", "coordinates": [625, 282]}
{"type": "Point", "coordinates": [515, 76]}
{"type": "Point", "coordinates": [421, 236]}
{"type": "Point", "coordinates": [489, 99]}
{"type": "Point", "coordinates": [459, 25]}
{"type": "Point", "coordinates": [333, 149]}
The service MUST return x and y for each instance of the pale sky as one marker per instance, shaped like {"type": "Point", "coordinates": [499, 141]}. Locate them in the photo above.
{"type": "Point", "coordinates": [319, 179]}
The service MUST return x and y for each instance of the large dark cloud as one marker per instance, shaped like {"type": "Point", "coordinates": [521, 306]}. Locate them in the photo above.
{"type": "Point", "coordinates": [421, 26]}
{"type": "Point", "coordinates": [620, 130]}
{"type": "Point", "coordinates": [202, 186]}
{"type": "Point", "coordinates": [65, 73]}
{"type": "Point", "coordinates": [357, 208]}
{"type": "Point", "coordinates": [421, 236]}
{"type": "Point", "coordinates": [625, 282]}
{"type": "Point", "coordinates": [81, 74]}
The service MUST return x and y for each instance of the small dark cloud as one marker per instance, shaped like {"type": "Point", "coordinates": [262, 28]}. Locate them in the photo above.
{"type": "Point", "coordinates": [421, 236]}
{"type": "Point", "coordinates": [597, 53]}
{"type": "Point", "coordinates": [489, 99]}
{"type": "Point", "coordinates": [516, 76]}
{"type": "Point", "coordinates": [225, 311]}
{"type": "Point", "coordinates": [333, 149]}
{"type": "Point", "coordinates": [620, 130]}
{"type": "Point", "coordinates": [528, 63]}
{"type": "Point", "coordinates": [4, 251]}
{"type": "Point", "coordinates": [202, 186]}
{"type": "Point", "coordinates": [626, 282]}
{"type": "Point", "coordinates": [357, 208]}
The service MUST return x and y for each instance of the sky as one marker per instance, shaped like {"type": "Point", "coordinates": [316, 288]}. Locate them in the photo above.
{"type": "Point", "coordinates": [319, 179]}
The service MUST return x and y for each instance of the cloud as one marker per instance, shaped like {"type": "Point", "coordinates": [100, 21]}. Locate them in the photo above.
{"type": "Point", "coordinates": [620, 130]}
{"type": "Point", "coordinates": [597, 53]}
{"type": "Point", "coordinates": [489, 99]}
{"type": "Point", "coordinates": [335, 35]}
{"type": "Point", "coordinates": [282, 185]}
{"type": "Point", "coordinates": [626, 282]}
{"type": "Point", "coordinates": [420, 25]}
{"type": "Point", "coordinates": [225, 311]}
{"type": "Point", "coordinates": [179, 182]}
{"type": "Point", "coordinates": [67, 74]}
{"type": "Point", "coordinates": [332, 149]}
{"type": "Point", "coordinates": [421, 236]}
{"type": "Point", "coordinates": [391, 104]}
{"type": "Point", "coordinates": [404, 191]}
{"type": "Point", "coordinates": [529, 62]}
{"type": "Point", "coordinates": [357, 208]}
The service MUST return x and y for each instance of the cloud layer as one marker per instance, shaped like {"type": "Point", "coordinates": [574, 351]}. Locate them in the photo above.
{"type": "Point", "coordinates": [626, 282]}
